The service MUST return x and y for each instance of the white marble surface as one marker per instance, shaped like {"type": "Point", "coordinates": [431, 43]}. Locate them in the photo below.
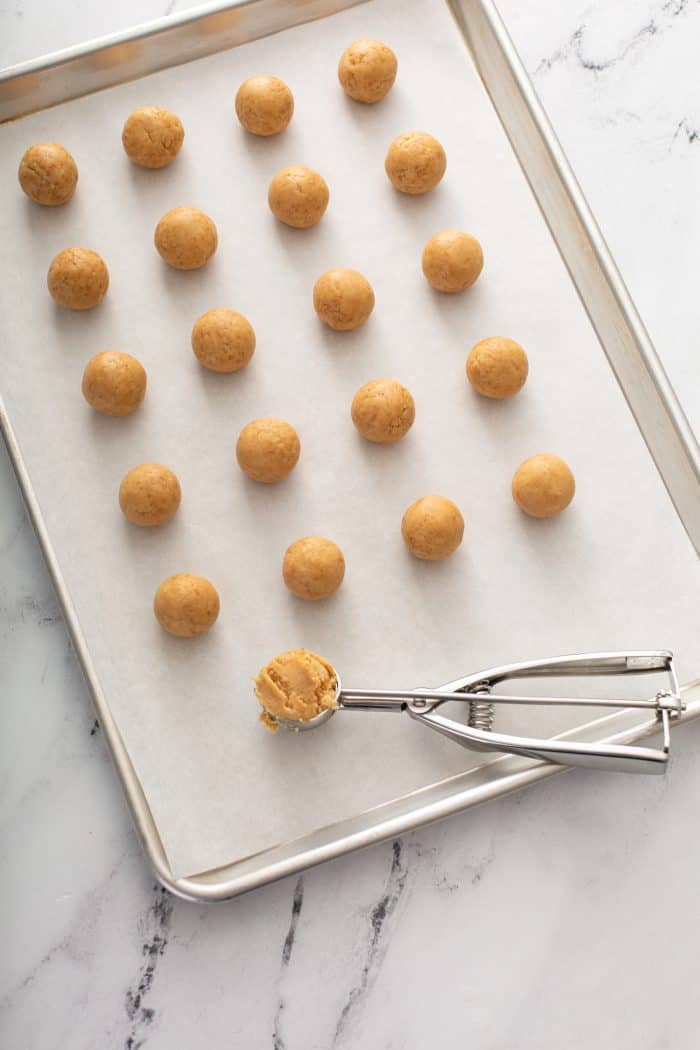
{"type": "Point", "coordinates": [561, 917]}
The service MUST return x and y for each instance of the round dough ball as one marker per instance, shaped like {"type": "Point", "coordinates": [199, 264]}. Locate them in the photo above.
{"type": "Point", "coordinates": [497, 367]}
{"type": "Point", "coordinates": [186, 605]}
{"type": "Point", "coordinates": [313, 568]}
{"type": "Point", "coordinates": [415, 162]}
{"type": "Point", "coordinates": [149, 494]}
{"type": "Point", "coordinates": [432, 528]}
{"type": "Point", "coordinates": [78, 278]}
{"type": "Point", "coordinates": [264, 105]}
{"type": "Point", "coordinates": [267, 450]}
{"type": "Point", "coordinates": [367, 70]}
{"type": "Point", "coordinates": [186, 238]}
{"type": "Point", "coordinates": [543, 485]}
{"type": "Point", "coordinates": [48, 174]}
{"type": "Point", "coordinates": [114, 383]}
{"type": "Point", "coordinates": [298, 197]}
{"type": "Point", "coordinates": [383, 411]}
{"type": "Point", "coordinates": [343, 299]}
{"type": "Point", "coordinates": [152, 136]}
{"type": "Point", "coordinates": [223, 340]}
{"type": "Point", "coordinates": [452, 261]}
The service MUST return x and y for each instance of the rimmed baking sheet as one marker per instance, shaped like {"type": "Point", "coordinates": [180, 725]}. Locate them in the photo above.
{"type": "Point", "coordinates": [615, 571]}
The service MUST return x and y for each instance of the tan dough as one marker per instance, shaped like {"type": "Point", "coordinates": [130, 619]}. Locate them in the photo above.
{"type": "Point", "coordinates": [452, 261]}
{"type": "Point", "coordinates": [48, 174]}
{"type": "Point", "coordinates": [497, 367]}
{"type": "Point", "coordinates": [415, 162]}
{"type": "Point", "coordinates": [432, 528]}
{"type": "Point", "coordinates": [149, 494]}
{"type": "Point", "coordinates": [78, 278]}
{"type": "Point", "coordinates": [367, 70]}
{"type": "Point", "coordinates": [343, 299]}
{"type": "Point", "coordinates": [543, 485]}
{"type": "Point", "coordinates": [313, 568]}
{"type": "Point", "coordinates": [297, 685]}
{"type": "Point", "coordinates": [264, 105]}
{"type": "Point", "coordinates": [114, 383]}
{"type": "Point", "coordinates": [267, 450]}
{"type": "Point", "coordinates": [186, 238]}
{"type": "Point", "coordinates": [152, 136]}
{"type": "Point", "coordinates": [383, 410]}
{"type": "Point", "coordinates": [186, 605]}
{"type": "Point", "coordinates": [298, 197]}
{"type": "Point", "coordinates": [223, 340]}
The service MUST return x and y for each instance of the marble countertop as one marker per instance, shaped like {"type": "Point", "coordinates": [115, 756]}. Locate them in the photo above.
{"type": "Point", "coordinates": [563, 916]}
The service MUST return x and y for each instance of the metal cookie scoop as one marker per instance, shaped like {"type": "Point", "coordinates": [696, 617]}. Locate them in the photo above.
{"type": "Point", "coordinates": [475, 690]}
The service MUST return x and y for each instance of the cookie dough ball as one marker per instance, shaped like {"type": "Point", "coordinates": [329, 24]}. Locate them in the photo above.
{"type": "Point", "coordinates": [114, 383]}
{"type": "Point", "coordinates": [497, 367]}
{"type": "Point", "coordinates": [298, 197]}
{"type": "Point", "coordinates": [383, 411]}
{"type": "Point", "coordinates": [223, 340]}
{"type": "Point", "coordinates": [186, 238]}
{"type": "Point", "coordinates": [264, 105]}
{"type": "Point", "coordinates": [367, 70]}
{"type": "Point", "coordinates": [48, 174]}
{"type": "Point", "coordinates": [267, 450]}
{"type": "Point", "coordinates": [152, 137]}
{"type": "Point", "coordinates": [343, 299]}
{"type": "Point", "coordinates": [313, 568]}
{"type": "Point", "coordinates": [452, 261]}
{"type": "Point", "coordinates": [296, 685]}
{"type": "Point", "coordinates": [415, 162]}
{"type": "Point", "coordinates": [186, 605]}
{"type": "Point", "coordinates": [432, 528]}
{"type": "Point", "coordinates": [149, 494]}
{"type": "Point", "coordinates": [543, 485]}
{"type": "Point", "coordinates": [78, 278]}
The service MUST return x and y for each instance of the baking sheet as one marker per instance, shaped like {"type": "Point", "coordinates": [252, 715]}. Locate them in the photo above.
{"type": "Point", "coordinates": [615, 571]}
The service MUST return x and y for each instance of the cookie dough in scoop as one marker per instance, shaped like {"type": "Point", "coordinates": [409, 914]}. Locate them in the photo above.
{"type": "Point", "coordinates": [296, 685]}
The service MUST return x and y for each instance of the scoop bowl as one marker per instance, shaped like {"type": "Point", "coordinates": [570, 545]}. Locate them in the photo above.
{"type": "Point", "coordinates": [298, 725]}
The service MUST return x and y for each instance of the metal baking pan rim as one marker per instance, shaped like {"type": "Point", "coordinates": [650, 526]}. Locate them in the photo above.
{"type": "Point", "coordinates": [117, 58]}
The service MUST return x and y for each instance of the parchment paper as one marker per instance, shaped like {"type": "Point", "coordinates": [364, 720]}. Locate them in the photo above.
{"type": "Point", "coordinates": [614, 571]}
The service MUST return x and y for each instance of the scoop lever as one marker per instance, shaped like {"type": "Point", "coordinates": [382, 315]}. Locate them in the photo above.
{"type": "Point", "coordinates": [476, 691]}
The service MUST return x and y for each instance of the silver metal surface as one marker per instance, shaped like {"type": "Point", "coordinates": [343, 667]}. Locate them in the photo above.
{"type": "Point", "coordinates": [171, 41]}
{"type": "Point", "coordinates": [167, 42]}
{"type": "Point", "coordinates": [477, 734]}
{"type": "Point", "coordinates": [481, 712]}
